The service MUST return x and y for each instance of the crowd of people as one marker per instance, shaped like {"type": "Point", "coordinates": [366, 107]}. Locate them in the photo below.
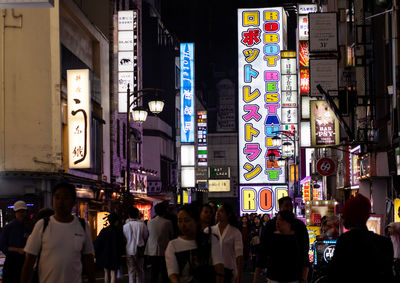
{"type": "Point", "coordinates": [199, 243]}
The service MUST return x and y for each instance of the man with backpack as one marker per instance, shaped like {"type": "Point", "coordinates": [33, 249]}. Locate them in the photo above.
{"type": "Point", "coordinates": [61, 243]}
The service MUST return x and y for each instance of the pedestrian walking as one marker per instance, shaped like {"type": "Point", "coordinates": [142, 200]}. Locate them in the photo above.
{"type": "Point", "coordinates": [109, 248]}
{"type": "Point", "coordinates": [160, 233]}
{"type": "Point", "coordinates": [244, 228]}
{"type": "Point", "coordinates": [195, 256]}
{"type": "Point", "coordinates": [255, 236]}
{"type": "Point", "coordinates": [136, 234]}
{"type": "Point", "coordinates": [361, 255]}
{"type": "Point", "coordinates": [394, 232]}
{"type": "Point", "coordinates": [300, 230]}
{"type": "Point", "coordinates": [62, 242]}
{"type": "Point", "coordinates": [206, 216]}
{"type": "Point", "coordinates": [231, 243]}
{"type": "Point", "coordinates": [284, 256]}
{"type": "Point", "coordinates": [12, 243]}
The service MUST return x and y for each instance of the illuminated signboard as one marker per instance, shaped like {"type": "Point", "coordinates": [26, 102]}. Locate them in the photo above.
{"type": "Point", "coordinates": [127, 56]}
{"type": "Point", "coordinates": [202, 138]}
{"type": "Point", "coordinates": [219, 185]}
{"type": "Point", "coordinates": [261, 39]}
{"type": "Point", "coordinates": [138, 184]}
{"type": "Point", "coordinates": [261, 199]}
{"type": "Point", "coordinates": [303, 27]}
{"type": "Point", "coordinates": [324, 125]}
{"type": "Point", "coordinates": [307, 8]}
{"type": "Point", "coordinates": [304, 81]}
{"type": "Point", "coordinates": [306, 186]}
{"type": "Point", "coordinates": [79, 118]}
{"type": "Point", "coordinates": [304, 55]}
{"type": "Point", "coordinates": [354, 174]}
{"type": "Point", "coordinates": [187, 92]}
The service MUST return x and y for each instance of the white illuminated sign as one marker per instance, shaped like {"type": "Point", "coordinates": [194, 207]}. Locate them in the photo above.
{"type": "Point", "coordinates": [261, 38]}
{"type": "Point", "coordinates": [127, 61]}
{"type": "Point", "coordinates": [219, 185]}
{"type": "Point", "coordinates": [261, 199]}
{"type": "Point", "coordinates": [307, 8]}
{"type": "Point", "coordinates": [188, 177]}
{"type": "Point", "coordinates": [79, 118]}
{"type": "Point", "coordinates": [187, 155]}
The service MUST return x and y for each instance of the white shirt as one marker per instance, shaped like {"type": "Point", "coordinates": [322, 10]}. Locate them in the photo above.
{"type": "Point", "coordinates": [231, 245]}
{"type": "Point", "coordinates": [180, 245]}
{"type": "Point", "coordinates": [136, 234]}
{"type": "Point", "coordinates": [160, 233]}
{"type": "Point", "coordinates": [395, 239]}
{"type": "Point", "coordinates": [62, 245]}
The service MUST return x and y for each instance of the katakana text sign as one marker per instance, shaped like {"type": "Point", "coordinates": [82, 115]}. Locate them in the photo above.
{"type": "Point", "coordinates": [261, 39]}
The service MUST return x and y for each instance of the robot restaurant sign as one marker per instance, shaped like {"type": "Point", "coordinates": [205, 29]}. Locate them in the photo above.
{"type": "Point", "coordinates": [261, 199]}
{"type": "Point", "coordinates": [261, 37]}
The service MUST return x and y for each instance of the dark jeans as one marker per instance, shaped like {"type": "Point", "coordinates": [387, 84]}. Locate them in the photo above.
{"type": "Point", "coordinates": [158, 269]}
{"type": "Point", "coordinates": [228, 275]}
{"type": "Point", "coordinates": [12, 267]}
{"type": "Point", "coordinates": [397, 268]}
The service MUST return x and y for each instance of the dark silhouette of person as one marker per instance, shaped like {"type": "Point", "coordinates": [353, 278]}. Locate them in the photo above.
{"type": "Point", "coordinates": [361, 255]}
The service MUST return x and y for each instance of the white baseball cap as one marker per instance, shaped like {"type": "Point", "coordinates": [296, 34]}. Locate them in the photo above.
{"type": "Point", "coordinates": [19, 205]}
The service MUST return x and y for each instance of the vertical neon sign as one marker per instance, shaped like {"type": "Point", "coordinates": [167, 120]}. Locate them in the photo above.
{"type": "Point", "coordinates": [261, 39]}
{"type": "Point", "coordinates": [187, 92]}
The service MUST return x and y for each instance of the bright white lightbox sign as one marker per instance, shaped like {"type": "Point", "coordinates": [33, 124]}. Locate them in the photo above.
{"type": "Point", "coordinates": [188, 177]}
{"type": "Point", "coordinates": [79, 118]}
{"type": "Point", "coordinates": [261, 38]}
{"type": "Point", "coordinates": [187, 155]}
{"type": "Point", "coordinates": [187, 92]}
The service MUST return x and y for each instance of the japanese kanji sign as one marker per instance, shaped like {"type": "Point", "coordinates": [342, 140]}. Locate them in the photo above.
{"type": "Point", "coordinates": [187, 92]}
{"type": "Point", "coordinates": [261, 38]}
{"type": "Point", "coordinates": [79, 118]}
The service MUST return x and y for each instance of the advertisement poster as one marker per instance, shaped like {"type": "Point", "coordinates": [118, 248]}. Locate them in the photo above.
{"type": "Point", "coordinates": [324, 125]}
{"type": "Point", "coordinates": [261, 38]}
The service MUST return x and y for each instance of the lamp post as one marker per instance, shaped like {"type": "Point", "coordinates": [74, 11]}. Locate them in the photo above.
{"type": "Point", "coordinates": [287, 147]}
{"type": "Point", "coordinates": [139, 115]}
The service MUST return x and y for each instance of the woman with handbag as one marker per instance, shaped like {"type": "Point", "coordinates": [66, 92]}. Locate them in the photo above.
{"type": "Point", "coordinates": [194, 256]}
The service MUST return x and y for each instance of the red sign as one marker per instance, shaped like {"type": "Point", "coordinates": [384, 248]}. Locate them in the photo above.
{"type": "Point", "coordinates": [326, 166]}
{"type": "Point", "coordinates": [303, 54]}
{"type": "Point", "coordinates": [304, 81]}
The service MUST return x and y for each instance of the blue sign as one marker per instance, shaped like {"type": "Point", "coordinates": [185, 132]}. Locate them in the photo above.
{"type": "Point", "coordinates": [187, 93]}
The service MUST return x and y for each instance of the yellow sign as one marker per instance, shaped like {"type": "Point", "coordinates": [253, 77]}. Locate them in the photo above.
{"type": "Point", "coordinates": [288, 54]}
{"type": "Point", "coordinates": [396, 210]}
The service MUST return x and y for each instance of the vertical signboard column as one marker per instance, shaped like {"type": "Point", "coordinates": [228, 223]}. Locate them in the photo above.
{"type": "Point", "coordinates": [187, 120]}
{"type": "Point", "coordinates": [261, 38]}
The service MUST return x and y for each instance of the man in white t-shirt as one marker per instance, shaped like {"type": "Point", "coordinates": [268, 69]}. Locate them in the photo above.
{"type": "Point", "coordinates": [136, 234]}
{"type": "Point", "coordinates": [63, 245]}
{"type": "Point", "coordinates": [394, 231]}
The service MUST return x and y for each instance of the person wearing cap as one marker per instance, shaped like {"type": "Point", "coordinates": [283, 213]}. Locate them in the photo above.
{"type": "Point", "coordinates": [361, 255]}
{"type": "Point", "coordinates": [12, 243]}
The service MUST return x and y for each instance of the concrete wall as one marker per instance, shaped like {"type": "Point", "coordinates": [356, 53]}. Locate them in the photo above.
{"type": "Point", "coordinates": [30, 120]}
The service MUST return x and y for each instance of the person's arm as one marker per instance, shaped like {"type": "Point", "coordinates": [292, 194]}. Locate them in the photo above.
{"type": "Point", "coordinates": [219, 272]}
{"type": "Point", "coordinates": [256, 274]}
{"type": "Point", "coordinates": [305, 248]}
{"type": "Point", "coordinates": [239, 266]}
{"type": "Point", "coordinates": [174, 278]}
{"type": "Point", "coordinates": [88, 266]}
{"type": "Point", "coordinates": [27, 268]}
